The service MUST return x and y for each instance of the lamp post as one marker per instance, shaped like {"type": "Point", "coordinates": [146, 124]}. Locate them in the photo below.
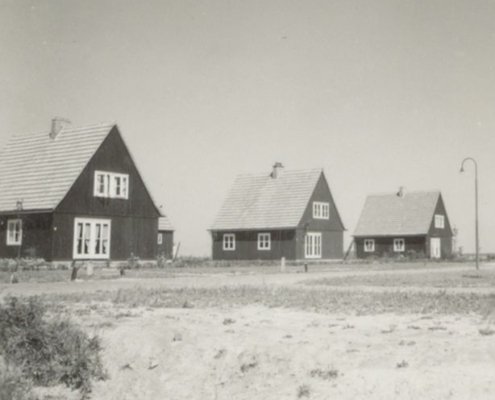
{"type": "Point", "coordinates": [475, 205]}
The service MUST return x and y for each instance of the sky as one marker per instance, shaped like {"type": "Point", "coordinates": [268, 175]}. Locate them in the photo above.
{"type": "Point", "coordinates": [380, 94]}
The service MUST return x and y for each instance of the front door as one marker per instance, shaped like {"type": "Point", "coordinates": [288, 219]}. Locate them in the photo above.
{"type": "Point", "coordinates": [435, 248]}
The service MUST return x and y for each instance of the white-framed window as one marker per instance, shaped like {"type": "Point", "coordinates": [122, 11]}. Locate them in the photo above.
{"type": "Point", "coordinates": [229, 241]}
{"type": "Point", "coordinates": [321, 210]}
{"type": "Point", "coordinates": [111, 184]}
{"type": "Point", "coordinates": [160, 238]}
{"type": "Point", "coordinates": [399, 245]}
{"type": "Point", "coordinates": [369, 245]}
{"type": "Point", "coordinates": [91, 238]}
{"type": "Point", "coordinates": [312, 245]}
{"type": "Point", "coordinates": [14, 232]}
{"type": "Point", "coordinates": [264, 241]}
{"type": "Point", "coordinates": [439, 221]}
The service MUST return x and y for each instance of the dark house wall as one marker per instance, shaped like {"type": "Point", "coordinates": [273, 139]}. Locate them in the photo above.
{"type": "Point", "coordinates": [332, 229]}
{"type": "Point", "coordinates": [134, 220]}
{"type": "Point", "coordinates": [167, 247]}
{"type": "Point", "coordinates": [444, 234]}
{"type": "Point", "coordinates": [36, 236]}
{"type": "Point", "coordinates": [246, 248]}
{"type": "Point", "coordinates": [384, 246]}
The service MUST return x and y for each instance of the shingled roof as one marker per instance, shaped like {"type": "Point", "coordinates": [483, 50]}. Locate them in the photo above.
{"type": "Point", "coordinates": [39, 170]}
{"type": "Point", "coordinates": [263, 202]}
{"type": "Point", "coordinates": [392, 215]}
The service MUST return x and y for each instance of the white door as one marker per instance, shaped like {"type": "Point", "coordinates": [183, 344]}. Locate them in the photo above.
{"type": "Point", "coordinates": [312, 245]}
{"type": "Point", "coordinates": [435, 248]}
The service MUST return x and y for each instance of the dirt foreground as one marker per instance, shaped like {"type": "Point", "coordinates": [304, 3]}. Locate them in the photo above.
{"type": "Point", "coordinates": [261, 353]}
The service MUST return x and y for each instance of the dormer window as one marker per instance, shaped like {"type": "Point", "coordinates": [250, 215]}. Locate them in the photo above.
{"type": "Point", "coordinates": [111, 184]}
{"type": "Point", "coordinates": [321, 210]}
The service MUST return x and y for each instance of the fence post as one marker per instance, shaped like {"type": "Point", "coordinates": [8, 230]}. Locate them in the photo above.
{"type": "Point", "coordinates": [282, 264]}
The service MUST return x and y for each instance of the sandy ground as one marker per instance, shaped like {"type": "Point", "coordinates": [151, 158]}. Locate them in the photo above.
{"type": "Point", "coordinates": [261, 353]}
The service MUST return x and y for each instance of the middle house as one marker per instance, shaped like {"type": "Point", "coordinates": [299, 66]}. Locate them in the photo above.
{"type": "Point", "coordinates": [288, 214]}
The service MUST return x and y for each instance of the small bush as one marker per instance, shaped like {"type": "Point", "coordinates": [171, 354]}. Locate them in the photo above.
{"type": "Point", "coordinates": [13, 385]}
{"type": "Point", "coordinates": [48, 352]}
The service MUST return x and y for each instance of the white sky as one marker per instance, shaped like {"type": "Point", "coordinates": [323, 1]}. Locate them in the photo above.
{"type": "Point", "coordinates": [381, 94]}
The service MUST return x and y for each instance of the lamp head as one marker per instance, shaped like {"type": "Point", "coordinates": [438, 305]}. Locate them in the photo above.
{"type": "Point", "coordinates": [461, 170]}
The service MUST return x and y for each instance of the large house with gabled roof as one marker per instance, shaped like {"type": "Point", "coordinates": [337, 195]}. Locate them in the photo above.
{"type": "Point", "coordinates": [284, 213]}
{"type": "Point", "coordinates": [404, 223]}
{"type": "Point", "coordinates": [75, 194]}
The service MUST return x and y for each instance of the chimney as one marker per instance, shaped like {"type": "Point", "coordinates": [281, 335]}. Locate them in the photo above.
{"type": "Point", "coordinates": [277, 170]}
{"type": "Point", "coordinates": [57, 126]}
{"type": "Point", "coordinates": [401, 192]}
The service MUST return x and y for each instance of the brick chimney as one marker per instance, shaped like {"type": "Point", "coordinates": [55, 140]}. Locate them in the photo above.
{"type": "Point", "coordinates": [401, 192]}
{"type": "Point", "coordinates": [277, 170]}
{"type": "Point", "coordinates": [57, 126]}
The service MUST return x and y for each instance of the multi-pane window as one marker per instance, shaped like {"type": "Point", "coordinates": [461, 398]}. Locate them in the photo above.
{"type": "Point", "coordinates": [264, 241]}
{"type": "Point", "coordinates": [312, 245]}
{"type": "Point", "coordinates": [321, 210]}
{"type": "Point", "coordinates": [399, 245]}
{"type": "Point", "coordinates": [160, 238]}
{"type": "Point", "coordinates": [369, 245]}
{"type": "Point", "coordinates": [439, 221]}
{"type": "Point", "coordinates": [111, 184]}
{"type": "Point", "coordinates": [229, 241]}
{"type": "Point", "coordinates": [91, 238]}
{"type": "Point", "coordinates": [14, 232]}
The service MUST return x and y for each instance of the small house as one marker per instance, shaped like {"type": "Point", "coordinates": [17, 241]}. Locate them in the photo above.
{"type": "Point", "coordinates": [165, 240]}
{"type": "Point", "coordinates": [75, 194]}
{"type": "Point", "coordinates": [281, 213]}
{"type": "Point", "coordinates": [414, 223]}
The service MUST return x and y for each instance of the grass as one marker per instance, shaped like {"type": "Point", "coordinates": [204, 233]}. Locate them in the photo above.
{"type": "Point", "coordinates": [445, 279]}
{"type": "Point", "coordinates": [316, 300]}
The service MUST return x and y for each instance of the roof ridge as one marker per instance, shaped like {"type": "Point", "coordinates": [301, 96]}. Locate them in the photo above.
{"type": "Point", "coordinates": [382, 194]}
{"type": "Point", "coordinates": [65, 129]}
{"type": "Point", "coordinates": [285, 171]}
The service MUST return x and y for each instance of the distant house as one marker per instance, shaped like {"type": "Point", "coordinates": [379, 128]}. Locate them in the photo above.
{"type": "Point", "coordinates": [404, 223]}
{"type": "Point", "coordinates": [165, 241]}
{"type": "Point", "coordinates": [74, 194]}
{"type": "Point", "coordinates": [289, 214]}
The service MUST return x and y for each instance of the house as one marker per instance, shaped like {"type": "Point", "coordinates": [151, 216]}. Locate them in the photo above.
{"type": "Point", "coordinates": [404, 224]}
{"type": "Point", "coordinates": [165, 241]}
{"type": "Point", "coordinates": [74, 194]}
{"type": "Point", "coordinates": [289, 214]}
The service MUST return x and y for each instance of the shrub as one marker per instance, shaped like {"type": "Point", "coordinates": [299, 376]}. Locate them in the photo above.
{"type": "Point", "coordinates": [48, 351]}
{"type": "Point", "coordinates": [13, 385]}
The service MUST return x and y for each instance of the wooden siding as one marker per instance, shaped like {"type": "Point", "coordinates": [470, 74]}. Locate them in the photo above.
{"type": "Point", "coordinates": [167, 247]}
{"type": "Point", "coordinates": [444, 234]}
{"type": "Point", "coordinates": [36, 236]}
{"type": "Point", "coordinates": [112, 156]}
{"type": "Point", "coordinates": [246, 246]}
{"type": "Point", "coordinates": [128, 235]}
{"type": "Point", "coordinates": [384, 246]}
{"type": "Point", "coordinates": [332, 229]}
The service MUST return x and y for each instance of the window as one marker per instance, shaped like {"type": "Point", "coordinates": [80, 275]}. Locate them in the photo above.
{"type": "Point", "coordinates": [312, 245]}
{"type": "Point", "coordinates": [439, 221]}
{"type": "Point", "coordinates": [321, 210]}
{"type": "Point", "coordinates": [264, 241]}
{"type": "Point", "coordinates": [369, 245]}
{"type": "Point", "coordinates": [91, 238]}
{"type": "Point", "coordinates": [110, 184]}
{"type": "Point", "coordinates": [229, 241]}
{"type": "Point", "coordinates": [160, 238]}
{"type": "Point", "coordinates": [399, 245]}
{"type": "Point", "coordinates": [14, 232]}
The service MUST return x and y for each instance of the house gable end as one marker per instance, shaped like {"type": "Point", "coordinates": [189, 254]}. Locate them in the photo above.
{"type": "Point", "coordinates": [321, 193]}
{"type": "Point", "coordinates": [111, 156]}
{"type": "Point", "coordinates": [440, 210]}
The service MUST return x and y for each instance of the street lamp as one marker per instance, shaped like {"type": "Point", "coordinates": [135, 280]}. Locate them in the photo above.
{"type": "Point", "coordinates": [475, 205]}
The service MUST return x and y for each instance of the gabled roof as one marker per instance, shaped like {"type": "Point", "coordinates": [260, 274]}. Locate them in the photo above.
{"type": "Point", "coordinates": [164, 224]}
{"type": "Point", "coordinates": [390, 214]}
{"type": "Point", "coordinates": [40, 170]}
{"type": "Point", "coordinates": [262, 202]}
